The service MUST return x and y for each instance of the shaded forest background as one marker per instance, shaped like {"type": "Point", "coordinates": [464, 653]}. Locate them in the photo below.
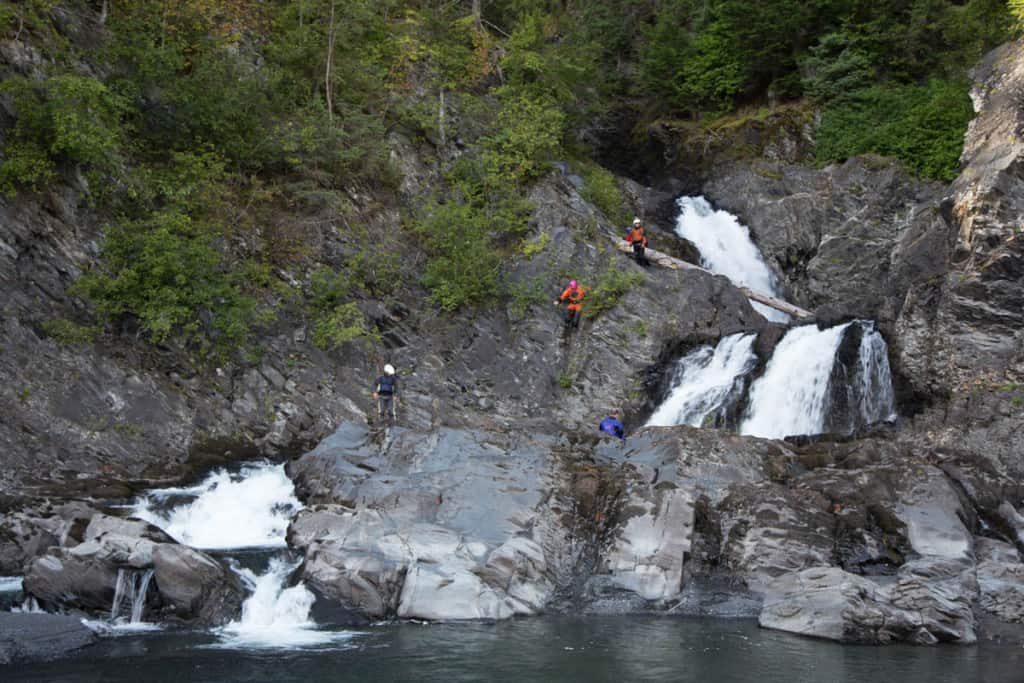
{"type": "Point", "coordinates": [191, 125]}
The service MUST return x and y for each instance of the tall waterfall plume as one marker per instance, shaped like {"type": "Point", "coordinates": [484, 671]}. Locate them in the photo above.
{"type": "Point", "coordinates": [726, 248]}
{"type": "Point", "coordinates": [791, 396]}
{"type": "Point", "coordinates": [706, 381]}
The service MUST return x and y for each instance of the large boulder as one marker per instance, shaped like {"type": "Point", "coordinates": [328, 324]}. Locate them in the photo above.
{"type": "Point", "coordinates": [449, 524]}
{"type": "Point", "coordinates": [827, 602]}
{"type": "Point", "coordinates": [187, 585]}
{"type": "Point", "coordinates": [194, 587]}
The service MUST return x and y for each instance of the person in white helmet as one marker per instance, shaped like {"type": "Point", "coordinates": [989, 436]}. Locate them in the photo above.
{"type": "Point", "coordinates": [385, 391]}
{"type": "Point", "coordinates": [636, 238]}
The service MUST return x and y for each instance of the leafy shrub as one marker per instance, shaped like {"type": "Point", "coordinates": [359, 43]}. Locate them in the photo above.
{"type": "Point", "coordinates": [67, 333]}
{"type": "Point", "coordinates": [529, 134]}
{"type": "Point", "coordinates": [66, 118]}
{"type": "Point", "coordinates": [612, 285]}
{"type": "Point", "coordinates": [922, 126]}
{"type": "Point", "coordinates": [602, 191]}
{"type": "Point", "coordinates": [464, 265]}
{"type": "Point", "coordinates": [165, 273]}
{"type": "Point", "coordinates": [340, 325]}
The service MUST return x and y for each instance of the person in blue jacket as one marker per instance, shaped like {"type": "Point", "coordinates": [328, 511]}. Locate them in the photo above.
{"type": "Point", "coordinates": [613, 425]}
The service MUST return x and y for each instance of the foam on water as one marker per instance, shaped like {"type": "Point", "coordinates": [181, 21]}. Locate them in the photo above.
{"type": "Point", "coordinates": [275, 616]}
{"type": "Point", "coordinates": [705, 379]}
{"type": "Point", "coordinates": [10, 584]}
{"type": "Point", "coordinates": [248, 509]}
{"type": "Point", "coordinates": [726, 248]}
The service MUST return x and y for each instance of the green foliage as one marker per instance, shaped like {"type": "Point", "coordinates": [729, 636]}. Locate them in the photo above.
{"type": "Point", "coordinates": [340, 325]}
{"type": "Point", "coordinates": [66, 118]}
{"type": "Point", "coordinates": [67, 333]}
{"type": "Point", "coordinates": [165, 273]}
{"type": "Point", "coordinates": [602, 191]}
{"type": "Point", "coordinates": [612, 285]}
{"type": "Point", "coordinates": [921, 126]}
{"type": "Point", "coordinates": [464, 266]}
{"type": "Point", "coordinates": [1017, 10]}
{"type": "Point", "coordinates": [525, 294]}
{"type": "Point", "coordinates": [836, 67]}
{"type": "Point", "coordinates": [536, 246]}
{"type": "Point", "coordinates": [529, 134]}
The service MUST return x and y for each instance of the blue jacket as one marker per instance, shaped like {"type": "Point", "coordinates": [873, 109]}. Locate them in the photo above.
{"type": "Point", "coordinates": [611, 425]}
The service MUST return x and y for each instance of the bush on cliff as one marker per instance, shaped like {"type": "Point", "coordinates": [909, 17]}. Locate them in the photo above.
{"type": "Point", "coordinates": [922, 126]}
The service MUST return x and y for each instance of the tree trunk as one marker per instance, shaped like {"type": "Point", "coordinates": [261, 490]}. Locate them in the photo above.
{"type": "Point", "coordinates": [478, 14]}
{"type": "Point", "coordinates": [330, 62]}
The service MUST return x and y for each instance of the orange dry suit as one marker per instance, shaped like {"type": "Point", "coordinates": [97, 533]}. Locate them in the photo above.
{"type": "Point", "coordinates": [575, 297]}
{"type": "Point", "coordinates": [636, 235]}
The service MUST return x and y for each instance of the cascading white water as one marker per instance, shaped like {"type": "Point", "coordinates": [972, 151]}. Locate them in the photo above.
{"type": "Point", "coordinates": [251, 508]}
{"type": "Point", "coordinates": [10, 584]}
{"type": "Point", "coordinates": [130, 590]}
{"type": "Point", "coordinates": [705, 379]}
{"type": "Point", "coordinates": [726, 248]}
{"type": "Point", "coordinates": [876, 399]}
{"type": "Point", "coordinates": [791, 397]}
{"type": "Point", "coordinates": [275, 616]}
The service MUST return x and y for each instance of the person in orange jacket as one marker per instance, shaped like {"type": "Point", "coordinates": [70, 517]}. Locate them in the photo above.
{"type": "Point", "coordinates": [639, 242]}
{"type": "Point", "coordinates": [573, 294]}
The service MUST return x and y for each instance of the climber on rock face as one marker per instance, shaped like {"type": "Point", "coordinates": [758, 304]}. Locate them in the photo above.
{"type": "Point", "coordinates": [636, 237]}
{"type": "Point", "coordinates": [385, 392]}
{"type": "Point", "coordinates": [573, 295]}
{"type": "Point", "coordinates": [612, 425]}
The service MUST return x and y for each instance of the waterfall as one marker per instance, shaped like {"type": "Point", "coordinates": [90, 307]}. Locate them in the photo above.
{"type": "Point", "coordinates": [726, 248]}
{"type": "Point", "coordinates": [706, 381]}
{"type": "Point", "coordinates": [876, 399]}
{"type": "Point", "coordinates": [275, 616]}
{"type": "Point", "coordinates": [131, 588]}
{"type": "Point", "coordinates": [791, 397]}
{"type": "Point", "coordinates": [251, 508]}
{"type": "Point", "coordinates": [10, 584]}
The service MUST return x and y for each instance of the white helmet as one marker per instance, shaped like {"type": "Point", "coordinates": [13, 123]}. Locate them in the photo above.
{"type": "Point", "coordinates": [389, 369]}
{"type": "Point", "coordinates": [636, 221]}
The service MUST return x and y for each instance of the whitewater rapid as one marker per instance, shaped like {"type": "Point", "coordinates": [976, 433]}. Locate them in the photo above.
{"type": "Point", "coordinates": [250, 508]}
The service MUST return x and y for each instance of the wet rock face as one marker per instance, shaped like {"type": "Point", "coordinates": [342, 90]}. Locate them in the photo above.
{"type": "Point", "coordinates": [851, 238]}
{"type": "Point", "coordinates": [857, 541]}
{"type": "Point", "coordinates": [442, 525]}
{"type": "Point", "coordinates": [41, 637]}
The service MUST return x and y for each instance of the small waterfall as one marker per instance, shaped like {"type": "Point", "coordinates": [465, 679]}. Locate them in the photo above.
{"type": "Point", "coordinates": [791, 397]}
{"type": "Point", "coordinates": [726, 248]}
{"type": "Point", "coordinates": [248, 509]}
{"type": "Point", "coordinates": [707, 381]}
{"type": "Point", "coordinates": [275, 616]}
{"type": "Point", "coordinates": [130, 589]}
{"type": "Point", "coordinates": [876, 399]}
{"type": "Point", "coordinates": [10, 584]}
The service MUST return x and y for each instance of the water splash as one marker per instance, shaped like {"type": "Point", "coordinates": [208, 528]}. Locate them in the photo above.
{"type": "Point", "coordinates": [10, 584]}
{"type": "Point", "coordinates": [275, 616]}
{"type": "Point", "coordinates": [251, 508]}
{"type": "Point", "coordinates": [876, 399]}
{"type": "Point", "coordinates": [130, 589]}
{"type": "Point", "coordinates": [706, 381]}
{"type": "Point", "coordinates": [726, 248]}
{"type": "Point", "coordinates": [791, 397]}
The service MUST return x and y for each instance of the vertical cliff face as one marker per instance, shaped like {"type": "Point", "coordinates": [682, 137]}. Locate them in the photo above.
{"type": "Point", "coordinates": [962, 335]}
